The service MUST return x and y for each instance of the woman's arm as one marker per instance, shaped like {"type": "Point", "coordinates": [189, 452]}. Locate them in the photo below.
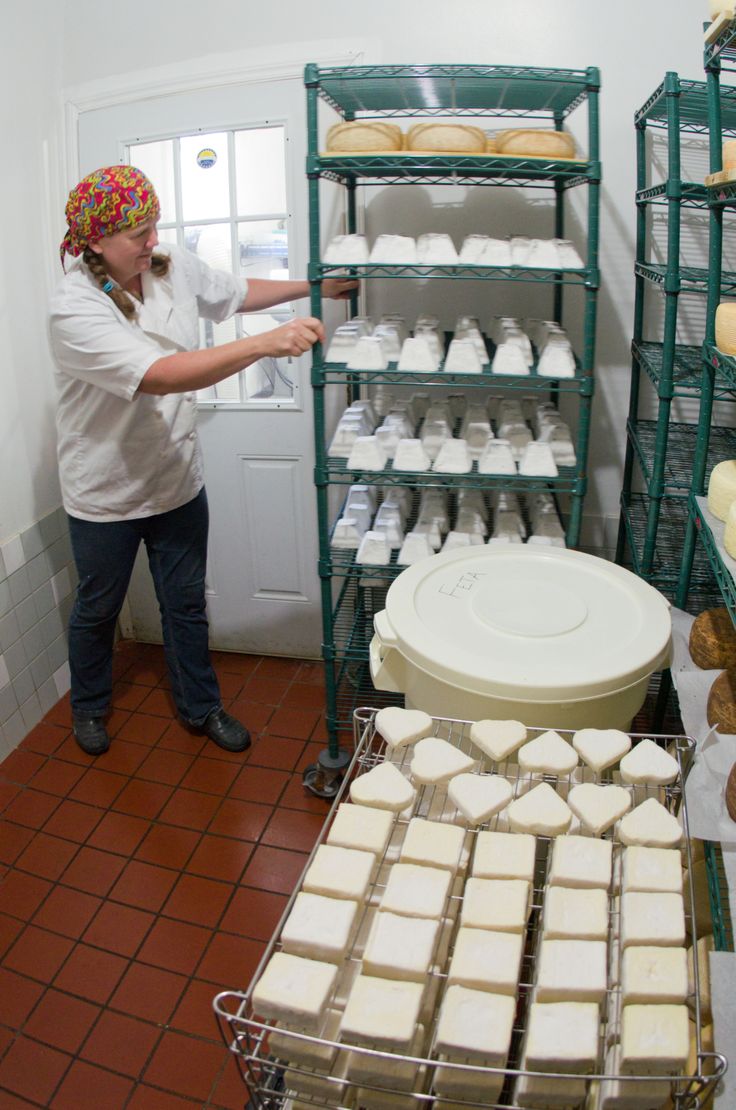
{"type": "Point", "coordinates": [264, 293]}
{"type": "Point", "coordinates": [190, 370]}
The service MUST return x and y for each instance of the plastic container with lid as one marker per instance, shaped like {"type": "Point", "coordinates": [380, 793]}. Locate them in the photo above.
{"type": "Point", "coordinates": [547, 636]}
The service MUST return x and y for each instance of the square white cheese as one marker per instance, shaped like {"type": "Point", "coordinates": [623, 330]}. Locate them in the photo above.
{"type": "Point", "coordinates": [362, 827]}
{"type": "Point", "coordinates": [294, 990]}
{"type": "Point", "coordinates": [432, 842]}
{"type": "Point", "coordinates": [416, 891]}
{"type": "Point", "coordinates": [542, 1092]}
{"type": "Point", "coordinates": [372, 1099]}
{"type": "Point", "coordinates": [572, 971]}
{"type": "Point", "coordinates": [502, 855]}
{"type": "Point", "coordinates": [562, 1036]}
{"type": "Point", "coordinates": [478, 1084]}
{"type": "Point", "coordinates": [381, 1012]}
{"type": "Point", "coordinates": [501, 904]}
{"type": "Point", "coordinates": [319, 928]}
{"type": "Point", "coordinates": [329, 1086]}
{"type": "Point", "coordinates": [486, 960]}
{"type": "Point", "coordinates": [655, 1040]}
{"type": "Point", "coordinates": [652, 869]}
{"type": "Point", "coordinates": [626, 1094]}
{"type": "Point", "coordinates": [400, 947]}
{"type": "Point", "coordinates": [654, 974]}
{"type": "Point", "coordinates": [475, 1024]}
{"type": "Point", "coordinates": [396, 1073]}
{"type": "Point", "coordinates": [571, 913]}
{"type": "Point", "coordinates": [653, 919]}
{"type": "Point", "coordinates": [340, 873]}
{"type": "Point", "coordinates": [310, 1054]}
{"type": "Point", "coordinates": [581, 861]}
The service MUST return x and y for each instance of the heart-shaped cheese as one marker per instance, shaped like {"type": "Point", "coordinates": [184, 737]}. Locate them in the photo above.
{"type": "Point", "coordinates": [400, 727]}
{"type": "Point", "coordinates": [600, 747]}
{"type": "Point", "coordinates": [478, 797]}
{"type": "Point", "coordinates": [436, 761]}
{"type": "Point", "coordinates": [649, 764]}
{"type": "Point", "coordinates": [650, 824]}
{"type": "Point", "coordinates": [541, 811]}
{"type": "Point", "coordinates": [384, 787]}
{"type": "Point", "coordinates": [497, 739]}
{"type": "Point", "coordinates": [598, 807]}
{"type": "Point", "coordinates": [549, 754]}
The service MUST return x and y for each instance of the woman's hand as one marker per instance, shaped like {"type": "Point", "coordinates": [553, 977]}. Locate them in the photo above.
{"type": "Point", "coordinates": [338, 289]}
{"type": "Point", "coordinates": [294, 338]}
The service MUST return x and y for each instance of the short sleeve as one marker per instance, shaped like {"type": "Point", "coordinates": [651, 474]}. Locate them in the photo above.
{"type": "Point", "coordinates": [92, 342]}
{"type": "Point", "coordinates": [219, 293]}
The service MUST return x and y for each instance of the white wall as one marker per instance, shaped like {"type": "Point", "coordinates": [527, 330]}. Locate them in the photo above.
{"type": "Point", "coordinates": [29, 115]}
{"type": "Point", "coordinates": [633, 42]}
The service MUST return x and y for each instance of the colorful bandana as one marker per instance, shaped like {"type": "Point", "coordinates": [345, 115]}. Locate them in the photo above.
{"type": "Point", "coordinates": [108, 200]}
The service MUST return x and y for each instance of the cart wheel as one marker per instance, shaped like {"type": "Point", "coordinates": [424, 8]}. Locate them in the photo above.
{"type": "Point", "coordinates": [317, 780]}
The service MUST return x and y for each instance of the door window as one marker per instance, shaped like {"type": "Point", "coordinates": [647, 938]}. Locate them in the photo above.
{"type": "Point", "coordinates": [223, 196]}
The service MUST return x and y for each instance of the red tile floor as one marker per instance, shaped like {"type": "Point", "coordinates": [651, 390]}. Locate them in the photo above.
{"type": "Point", "coordinates": [135, 886]}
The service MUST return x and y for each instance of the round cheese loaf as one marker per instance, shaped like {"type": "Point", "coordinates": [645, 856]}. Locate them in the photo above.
{"type": "Point", "coordinates": [491, 145]}
{"type": "Point", "coordinates": [729, 154]}
{"type": "Point", "coordinates": [722, 488]}
{"type": "Point", "coordinates": [731, 793]}
{"type": "Point", "coordinates": [729, 532]}
{"type": "Point", "coordinates": [718, 6]}
{"type": "Point", "coordinates": [364, 135]}
{"type": "Point", "coordinates": [447, 137]}
{"type": "Point", "coordinates": [726, 327]}
{"type": "Point", "coordinates": [545, 143]}
{"type": "Point", "coordinates": [713, 640]}
{"type": "Point", "coordinates": [721, 708]}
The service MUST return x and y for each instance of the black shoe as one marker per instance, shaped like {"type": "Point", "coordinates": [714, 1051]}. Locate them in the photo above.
{"type": "Point", "coordinates": [91, 735]}
{"type": "Point", "coordinates": [226, 732]}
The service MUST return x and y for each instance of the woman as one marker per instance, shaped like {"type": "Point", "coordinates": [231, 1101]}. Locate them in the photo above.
{"type": "Point", "coordinates": [124, 331]}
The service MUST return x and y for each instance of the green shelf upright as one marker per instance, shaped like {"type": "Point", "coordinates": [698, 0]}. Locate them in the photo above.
{"type": "Point", "coordinates": [493, 96]}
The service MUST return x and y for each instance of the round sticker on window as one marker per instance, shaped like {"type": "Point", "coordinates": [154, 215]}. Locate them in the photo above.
{"type": "Point", "coordinates": [206, 158]}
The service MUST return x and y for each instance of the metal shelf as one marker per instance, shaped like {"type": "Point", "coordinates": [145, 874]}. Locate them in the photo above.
{"type": "Point", "coordinates": [688, 279]}
{"type": "Point", "coordinates": [693, 107]}
{"type": "Point", "coordinates": [710, 530]}
{"type": "Point", "coordinates": [440, 90]}
{"type": "Point", "coordinates": [681, 444]}
{"type": "Point", "coordinates": [336, 470]}
{"type": "Point", "coordinates": [449, 169]}
{"type": "Point", "coordinates": [460, 273]}
{"type": "Point", "coordinates": [693, 194]}
{"type": "Point", "coordinates": [666, 565]}
{"type": "Point", "coordinates": [724, 366]}
{"type": "Point", "coordinates": [721, 53]}
{"type": "Point", "coordinates": [686, 374]}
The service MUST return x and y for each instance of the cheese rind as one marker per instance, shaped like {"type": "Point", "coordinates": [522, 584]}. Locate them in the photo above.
{"type": "Point", "coordinates": [499, 904]}
{"type": "Point", "coordinates": [294, 990]}
{"type": "Point", "coordinates": [416, 891]}
{"type": "Point", "coordinates": [580, 861]}
{"type": "Point", "coordinates": [652, 973]}
{"type": "Point", "coordinates": [562, 1036]}
{"type": "Point", "coordinates": [655, 1040]}
{"type": "Point", "coordinates": [432, 843]}
{"type": "Point", "coordinates": [485, 959]}
{"type": "Point", "coordinates": [571, 971]}
{"type": "Point", "coordinates": [475, 1024]}
{"type": "Point", "coordinates": [652, 919]}
{"type": "Point", "coordinates": [362, 827]}
{"type": "Point", "coordinates": [502, 855]}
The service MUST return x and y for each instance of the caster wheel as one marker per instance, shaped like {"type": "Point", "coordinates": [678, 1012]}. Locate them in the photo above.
{"type": "Point", "coordinates": [322, 783]}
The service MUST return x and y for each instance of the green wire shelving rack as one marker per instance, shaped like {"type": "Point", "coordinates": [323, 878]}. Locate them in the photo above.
{"type": "Point", "coordinates": [663, 451]}
{"type": "Point", "coordinates": [491, 94]}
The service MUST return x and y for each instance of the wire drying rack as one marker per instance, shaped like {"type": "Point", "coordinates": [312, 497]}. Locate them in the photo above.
{"type": "Point", "coordinates": [275, 1082]}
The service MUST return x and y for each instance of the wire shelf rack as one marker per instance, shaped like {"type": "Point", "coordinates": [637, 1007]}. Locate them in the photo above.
{"type": "Point", "coordinates": [681, 443]}
{"type": "Point", "coordinates": [274, 1077]}
{"type": "Point", "coordinates": [687, 369]}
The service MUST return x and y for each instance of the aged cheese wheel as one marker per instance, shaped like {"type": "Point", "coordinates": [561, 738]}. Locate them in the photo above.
{"type": "Point", "coordinates": [546, 143]}
{"type": "Point", "coordinates": [364, 135]}
{"type": "Point", "coordinates": [491, 145]}
{"type": "Point", "coordinates": [448, 137]}
{"type": "Point", "coordinates": [726, 327]}
{"type": "Point", "coordinates": [729, 154]}
{"type": "Point", "coordinates": [721, 707]}
{"type": "Point", "coordinates": [731, 793]}
{"type": "Point", "coordinates": [713, 640]}
{"type": "Point", "coordinates": [722, 488]}
{"type": "Point", "coordinates": [729, 532]}
{"type": "Point", "coordinates": [718, 6]}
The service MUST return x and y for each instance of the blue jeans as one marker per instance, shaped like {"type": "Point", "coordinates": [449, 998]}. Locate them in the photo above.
{"type": "Point", "coordinates": [104, 553]}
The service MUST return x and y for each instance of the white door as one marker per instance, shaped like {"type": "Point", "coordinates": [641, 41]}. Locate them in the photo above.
{"type": "Point", "coordinates": [229, 167]}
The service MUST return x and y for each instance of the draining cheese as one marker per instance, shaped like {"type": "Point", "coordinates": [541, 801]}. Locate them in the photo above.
{"type": "Point", "coordinates": [726, 327]}
{"type": "Point", "coordinates": [722, 487]}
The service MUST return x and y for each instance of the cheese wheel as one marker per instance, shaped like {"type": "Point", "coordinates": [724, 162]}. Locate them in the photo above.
{"type": "Point", "coordinates": [729, 532]}
{"type": "Point", "coordinates": [457, 137]}
{"type": "Point", "coordinates": [718, 6]}
{"type": "Point", "coordinates": [722, 488]}
{"type": "Point", "coordinates": [712, 640]}
{"type": "Point", "coordinates": [726, 327]}
{"type": "Point", "coordinates": [729, 154]}
{"type": "Point", "coordinates": [545, 143]}
{"type": "Point", "coordinates": [491, 145]}
{"type": "Point", "coordinates": [364, 135]}
{"type": "Point", "coordinates": [721, 706]}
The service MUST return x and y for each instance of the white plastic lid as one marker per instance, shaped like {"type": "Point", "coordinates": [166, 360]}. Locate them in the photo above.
{"type": "Point", "coordinates": [538, 623]}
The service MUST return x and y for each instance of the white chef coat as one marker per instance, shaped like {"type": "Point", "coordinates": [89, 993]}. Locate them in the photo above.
{"type": "Point", "coordinates": [125, 454]}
